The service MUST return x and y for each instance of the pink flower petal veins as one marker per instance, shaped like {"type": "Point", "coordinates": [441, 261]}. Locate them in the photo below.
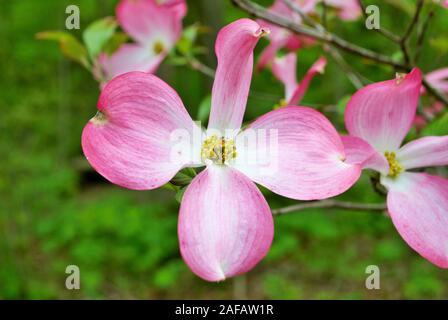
{"type": "Point", "coordinates": [130, 142]}
{"type": "Point", "coordinates": [424, 152]}
{"type": "Point", "coordinates": [382, 113]}
{"type": "Point", "coordinates": [360, 152]}
{"type": "Point", "coordinates": [225, 224]}
{"type": "Point", "coordinates": [299, 155]}
{"type": "Point", "coordinates": [234, 50]}
{"type": "Point", "coordinates": [418, 206]}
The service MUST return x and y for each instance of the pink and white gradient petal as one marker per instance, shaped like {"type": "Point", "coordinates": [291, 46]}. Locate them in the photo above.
{"type": "Point", "coordinates": [382, 113]}
{"type": "Point", "coordinates": [438, 79]}
{"type": "Point", "coordinates": [225, 224]}
{"type": "Point", "coordinates": [234, 49]}
{"type": "Point", "coordinates": [179, 6]}
{"type": "Point", "coordinates": [418, 206]}
{"type": "Point", "coordinates": [268, 54]}
{"type": "Point", "coordinates": [317, 67]}
{"type": "Point", "coordinates": [360, 152]}
{"type": "Point", "coordinates": [146, 21]}
{"type": "Point", "coordinates": [130, 143]}
{"type": "Point", "coordinates": [424, 152]}
{"type": "Point", "coordinates": [348, 9]}
{"type": "Point", "coordinates": [297, 153]}
{"type": "Point", "coordinates": [129, 57]}
{"type": "Point", "coordinates": [284, 69]}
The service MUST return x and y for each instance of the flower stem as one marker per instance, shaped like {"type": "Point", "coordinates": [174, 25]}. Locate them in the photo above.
{"type": "Point", "coordinates": [325, 36]}
{"type": "Point", "coordinates": [330, 203]}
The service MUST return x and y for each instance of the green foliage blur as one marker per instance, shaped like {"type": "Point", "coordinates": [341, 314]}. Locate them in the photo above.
{"type": "Point", "coordinates": [56, 211]}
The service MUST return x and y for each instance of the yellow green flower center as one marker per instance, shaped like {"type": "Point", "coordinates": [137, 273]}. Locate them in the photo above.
{"type": "Point", "coordinates": [394, 166]}
{"type": "Point", "coordinates": [99, 119]}
{"type": "Point", "coordinates": [282, 103]}
{"type": "Point", "coordinates": [158, 47]}
{"type": "Point", "coordinates": [218, 150]}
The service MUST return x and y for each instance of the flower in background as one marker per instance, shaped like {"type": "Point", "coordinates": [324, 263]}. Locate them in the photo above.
{"type": "Point", "coordinates": [438, 79]}
{"type": "Point", "coordinates": [225, 224]}
{"type": "Point", "coordinates": [280, 37]}
{"type": "Point", "coordinates": [155, 26]}
{"type": "Point", "coordinates": [347, 9]}
{"type": "Point", "coordinates": [179, 6]}
{"type": "Point", "coordinates": [285, 68]}
{"type": "Point", "coordinates": [378, 118]}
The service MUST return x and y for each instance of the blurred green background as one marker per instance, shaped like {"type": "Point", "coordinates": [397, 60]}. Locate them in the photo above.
{"type": "Point", "coordinates": [55, 211]}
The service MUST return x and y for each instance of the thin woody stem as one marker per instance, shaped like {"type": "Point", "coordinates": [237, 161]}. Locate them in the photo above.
{"type": "Point", "coordinates": [421, 35]}
{"type": "Point", "coordinates": [327, 37]}
{"type": "Point", "coordinates": [351, 75]}
{"type": "Point", "coordinates": [199, 66]}
{"type": "Point", "coordinates": [330, 38]}
{"type": "Point", "coordinates": [330, 203]}
{"type": "Point", "coordinates": [404, 39]}
{"type": "Point", "coordinates": [414, 21]}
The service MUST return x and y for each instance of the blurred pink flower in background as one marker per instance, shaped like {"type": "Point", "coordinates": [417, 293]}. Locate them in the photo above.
{"type": "Point", "coordinates": [280, 37]}
{"type": "Point", "coordinates": [347, 9]}
{"type": "Point", "coordinates": [285, 69]}
{"type": "Point", "coordinates": [378, 118]}
{"type": "Point", "coordinates": [225, 224]}
{"type": "Point", "coordinates": [438, 79]}
{"type": "Point", "coordinates": [155, 26]}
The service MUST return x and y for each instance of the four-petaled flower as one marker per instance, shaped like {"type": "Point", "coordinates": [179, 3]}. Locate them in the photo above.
{"type": "Point", "coordinates": [378, 118]}
{"type": "Point", "coordinates": [225, 224]}
{"type": "Point", "coordinates": [154, 25]}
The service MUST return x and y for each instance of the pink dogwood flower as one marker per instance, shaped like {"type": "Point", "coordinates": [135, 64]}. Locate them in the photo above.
{"type": "Point", "coordinates": [154, 25]}
{"type": "Point", "coordinates": [347, 9]}
{"type": "Point", "coordinates": [284, 69]}
{"type": "Point", "coordinates": [225, 224]}
{"type": "Point", "coordinates": [378, 118]}
{"type": "Point", "coordinates": [438, 79]}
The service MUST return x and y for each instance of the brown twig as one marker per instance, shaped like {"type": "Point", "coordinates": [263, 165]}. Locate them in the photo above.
{"type": "Point", "coordinates": [330, 203]}
{"type": "Point", "coordinates": [330, 38]}
{"type": "Point", "coordinates": [404, 39]}
{"type": "Point", "coordinates": [199, 66]}
{"type": "Point", "coordinates": [421, 35]}
{"type": "Point", "coordinates": [327, 37]}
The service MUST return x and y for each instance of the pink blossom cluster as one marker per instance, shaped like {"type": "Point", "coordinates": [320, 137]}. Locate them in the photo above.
{"type": "Point", "coordinates": [225, 224]}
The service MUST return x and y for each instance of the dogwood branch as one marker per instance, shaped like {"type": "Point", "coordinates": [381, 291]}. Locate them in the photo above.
{"type": "Point", "coordinates": [337, 57]}
{"type": "Point", "coordinates": [330, 38]}
{"type": "Point", "coordinates": [325, 36]}
{"type": "Point", "coordinates": [330, 203]}
{"type": "Point", "coordinates": [421, 35]}
{"type": "Point", "coordinates": [197, 65]}
{"type": "Point", "coordinates": [404, 39]}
